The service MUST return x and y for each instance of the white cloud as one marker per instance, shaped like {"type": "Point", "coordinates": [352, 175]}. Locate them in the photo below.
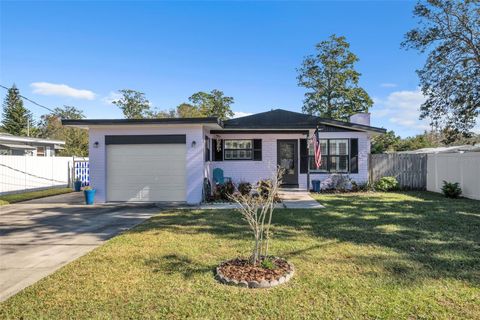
{"type": "Point", "coordinates": [401, 108]}
{"type": "Point", "coordinates": [112, 96]}
{"type": "Point", "coordinates": [388, 85]}
{"type": "Point", "coordinates": [239, 114]}
{"type": "Point", "coordinates": [53, 89]}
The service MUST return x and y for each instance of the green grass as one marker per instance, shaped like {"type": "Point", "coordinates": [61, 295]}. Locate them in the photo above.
{"type": "Point", "coordinates": [19, 197]}
{"type": "Point", "coordinates": [365, 256]}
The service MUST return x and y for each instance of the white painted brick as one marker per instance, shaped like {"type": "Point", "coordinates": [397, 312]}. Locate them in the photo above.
{"type": "Point", "coordinates": [195, 160]}
{"type": "Point", "coordinates": [252, 171]}
{"type": "Point", "coordinates": [197, 168]}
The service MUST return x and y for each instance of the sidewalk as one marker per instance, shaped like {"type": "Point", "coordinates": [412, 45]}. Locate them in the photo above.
{"type": "Point", "coordinates": [298, 199]}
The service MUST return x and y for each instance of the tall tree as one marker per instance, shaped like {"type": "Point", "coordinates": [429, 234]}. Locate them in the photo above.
{"type": "Point", "coordinates": [450, 78]}
{"type": "Point", "coordinates": [186, 110]}
{"type": "Point", "coordinates": [213, 104]}
{"type": "Point", "coordinates": [133, 104]}
{"type": "Point", "coordinates": [332, 81]}
{"type": "Point", "coordinates": [387, 142]}
{"type": "Point", "coordinates": [76, 140]}
{"type": "Point", "coordinates": [17, 119]}
{"type": "Point", "coordinates": [159, 114]}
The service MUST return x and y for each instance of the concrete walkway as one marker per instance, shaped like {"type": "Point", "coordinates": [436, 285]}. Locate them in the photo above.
{"type": "Point", "coordinates": [40, 236]}
{"type": "Point", "coordinates": [298, 199]}
{"type": "Point", "coordinates": [291, 199]}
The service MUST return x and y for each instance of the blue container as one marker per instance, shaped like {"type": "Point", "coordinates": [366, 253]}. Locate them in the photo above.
{"type": "Point", "coordinates": [316, 185]}
{"type": "Point", "coordinates": [89, 196]}
{"type": "Point", "coordinates": [77, 185]}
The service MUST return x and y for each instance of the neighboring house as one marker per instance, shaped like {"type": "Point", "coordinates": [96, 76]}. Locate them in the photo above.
{"type": "Point", "coordinates": [26, 146]}
{"type": "Point", "coordinates": [451, 149]}
{"type": "Point", "coordinates": [168, 159]}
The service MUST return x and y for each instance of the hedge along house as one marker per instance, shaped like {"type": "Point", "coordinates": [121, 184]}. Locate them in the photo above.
{"type": "Point", "coordinates": [155, 160]}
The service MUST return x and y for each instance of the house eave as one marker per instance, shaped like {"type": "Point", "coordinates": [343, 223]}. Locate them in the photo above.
{"type": "Point", "coordinates": [86, 123]}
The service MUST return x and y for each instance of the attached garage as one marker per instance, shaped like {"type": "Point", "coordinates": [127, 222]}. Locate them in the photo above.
{"type": "Point", "coordinates": [146, 168]}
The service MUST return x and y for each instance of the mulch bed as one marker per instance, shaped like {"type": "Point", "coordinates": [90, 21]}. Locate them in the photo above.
{"type": "Point", "coordinates": [242, 270]}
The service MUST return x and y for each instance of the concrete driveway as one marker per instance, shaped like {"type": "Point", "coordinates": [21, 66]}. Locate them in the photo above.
{"type": "Point", "coordinates": [40, 236]}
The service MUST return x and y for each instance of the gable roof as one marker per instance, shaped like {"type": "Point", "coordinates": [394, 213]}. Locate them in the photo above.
{"type": "Point", "coordinates": [283, 119]}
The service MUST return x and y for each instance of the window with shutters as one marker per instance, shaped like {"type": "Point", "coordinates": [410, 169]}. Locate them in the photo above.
{"type": "Point", "coordinates": [238, 150]}
{"type": "Point", "coordinates": [335, 156]}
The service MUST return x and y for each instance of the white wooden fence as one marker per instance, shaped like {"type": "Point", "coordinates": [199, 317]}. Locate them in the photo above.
{"type": "Point", "coordinates": [22, 173]}
{"type": "Point", "coordinates": [463, 168]}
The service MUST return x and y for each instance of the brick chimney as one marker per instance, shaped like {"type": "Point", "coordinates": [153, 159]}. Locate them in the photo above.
{"type": "Point", "coordinates": [361, 118]}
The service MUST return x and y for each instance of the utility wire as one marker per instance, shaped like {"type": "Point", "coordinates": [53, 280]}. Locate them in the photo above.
{"type": "Point", "coordinates": [23, 97]}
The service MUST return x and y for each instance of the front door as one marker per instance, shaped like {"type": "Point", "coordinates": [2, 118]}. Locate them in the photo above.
{"type": "Point", "coordinates": [287, 158]}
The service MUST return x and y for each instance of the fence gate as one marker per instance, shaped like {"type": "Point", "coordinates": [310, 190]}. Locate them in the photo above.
{"type": "Point", "coordinates": [409, 169]}
{"type": "Point", "coordinates": [81, 171]}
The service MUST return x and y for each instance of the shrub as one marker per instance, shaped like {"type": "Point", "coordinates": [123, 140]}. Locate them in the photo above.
{"type": "Point", "coordinates": [263, 187]}
{"type": "Point", "coordinates": [244, 188]}
{"type": "Point", "coordinates": [361, 187]}
{"type": "Point", "coordinates": [386, 184]}
{"type": "Point", "coordinates": [451, 189]}
{"type": "Point", "coordinates": [337, 182]}
{"type": "Point", "coordinates": [224, 191]}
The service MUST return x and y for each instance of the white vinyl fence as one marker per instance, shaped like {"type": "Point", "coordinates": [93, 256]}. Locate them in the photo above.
{"type": "Point", "coordinates": [463, 168]}
{"type": "Point", "coordinates": [22, 173]}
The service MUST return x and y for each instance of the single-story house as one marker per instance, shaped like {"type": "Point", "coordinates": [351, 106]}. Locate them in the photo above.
{"type": "Point", "coordinates": [168, 159]}
{"type": "Point", "coordinates": [27, 146]}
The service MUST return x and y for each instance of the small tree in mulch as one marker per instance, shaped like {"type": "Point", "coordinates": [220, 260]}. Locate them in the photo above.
{"type": "Point", "coordinates": [260, 269]}
{"type": "Point", "coordinates": [257, 210]}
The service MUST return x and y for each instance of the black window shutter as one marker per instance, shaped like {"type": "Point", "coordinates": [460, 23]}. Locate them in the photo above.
{"type": "Point", "coordinates": [354, 155]}
{"type": "Point", "coordinates": [257, 150]}
{"type": "Point", "coordinates": [217, 155]}
{"type": "Point", "coordinates": [303, 156]}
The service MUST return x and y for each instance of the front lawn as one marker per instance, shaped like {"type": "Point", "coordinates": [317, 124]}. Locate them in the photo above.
{"type": "Point", "coordinates": [395, 256]}
{"type": "Point", "coordinates": [19, 197]}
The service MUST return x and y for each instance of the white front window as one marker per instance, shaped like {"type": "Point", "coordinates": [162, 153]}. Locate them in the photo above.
{"type": "Point", "coordinates": [335, 156]}
{"type": "Point", "coordinates": [238, 149]}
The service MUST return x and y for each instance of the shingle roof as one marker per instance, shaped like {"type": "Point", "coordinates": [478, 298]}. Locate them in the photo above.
{"type": "Point", "coordinates": [283, 119]}
{"type": "Point", "coordinates": [274, 119]}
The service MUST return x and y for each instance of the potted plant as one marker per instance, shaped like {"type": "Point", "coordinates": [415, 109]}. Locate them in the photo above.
{"type": "Point", "coordinates": [89, 193]}
{"type": "Point", "coordinates": [77, 185]}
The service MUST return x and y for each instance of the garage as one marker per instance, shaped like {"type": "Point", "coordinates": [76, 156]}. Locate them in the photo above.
{"type": "Point", "coordinates": [146, 168]}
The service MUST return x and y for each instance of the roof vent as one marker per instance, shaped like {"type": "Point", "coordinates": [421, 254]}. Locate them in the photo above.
{"type": "Point", "coordinates": [361, 118]}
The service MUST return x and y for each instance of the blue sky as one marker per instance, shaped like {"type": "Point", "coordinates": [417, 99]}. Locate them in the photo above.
{"type": "Point", "coordinates": [169, 50]}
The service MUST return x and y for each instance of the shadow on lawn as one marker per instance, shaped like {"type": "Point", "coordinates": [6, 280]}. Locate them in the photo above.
{"type": "Point", "coordinates": [440, 237]}
{"type": "Point", "coordinates": [175, 263]}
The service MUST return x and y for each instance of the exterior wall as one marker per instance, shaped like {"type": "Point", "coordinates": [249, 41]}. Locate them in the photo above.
{"type": "Point", "coordinates": [21, 173]}
{"type": "Point", "coordinates": [363, 152]}
{"type": "Point", "coordinates": [195, 161]}
{"type": "Point", "coordinates": [249, 170]}
{"type": "Point", "coordinates": [463, 168]}
{"type": "Point", "coordinates": [252, 171]}
{"type": "Point", "coordinates": [50, 152]}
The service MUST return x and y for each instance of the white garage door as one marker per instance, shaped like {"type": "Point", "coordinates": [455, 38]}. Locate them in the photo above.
{"type": "Point", "coordinates": [146, 172]}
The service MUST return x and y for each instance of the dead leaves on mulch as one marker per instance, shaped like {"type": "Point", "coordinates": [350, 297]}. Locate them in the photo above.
{"type": "Point", "coordinates": [242, 270]}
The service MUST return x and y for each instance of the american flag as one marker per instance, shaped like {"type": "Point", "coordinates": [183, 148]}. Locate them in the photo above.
{"type": "Point", "coordinates": [317, 150]}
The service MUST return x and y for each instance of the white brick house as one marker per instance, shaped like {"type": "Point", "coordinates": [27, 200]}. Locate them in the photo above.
{"type": "Point", "coordinates": [158, 160]}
